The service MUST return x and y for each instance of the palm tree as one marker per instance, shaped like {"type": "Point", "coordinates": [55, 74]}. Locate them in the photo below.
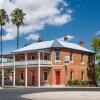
{"type": "Point", "coordinates": [17, 19]}
{"type": "Point", "coordinates": [3, 19]}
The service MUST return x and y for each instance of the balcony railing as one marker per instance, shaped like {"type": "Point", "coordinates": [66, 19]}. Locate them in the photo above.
{"type": "Point", "coordinates": [23, 63]}
{"type": "Point", "coordinates": [32, 62]}
{"type": "Point", "coordinates": [7, 64]}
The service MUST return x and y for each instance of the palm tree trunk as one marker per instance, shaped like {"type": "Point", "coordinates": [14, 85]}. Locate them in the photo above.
{"type": "Point", "coordinates": [1, 42]}
{"type": "Point", "coordinates": [17, 37]}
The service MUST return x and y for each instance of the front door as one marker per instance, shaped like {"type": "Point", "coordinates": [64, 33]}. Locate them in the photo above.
{"type": "Point", "coordinates": [33, 78]}
{"type": "Point", "coordinates": [57, 77]}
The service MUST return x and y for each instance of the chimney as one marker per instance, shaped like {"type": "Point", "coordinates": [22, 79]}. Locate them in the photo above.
{"type": "Point", "coordinates": [65, 38]}
{"type": "Point", "coordinates": [40, 39]}
{"type": "Point", "coordinates": [81, 43]}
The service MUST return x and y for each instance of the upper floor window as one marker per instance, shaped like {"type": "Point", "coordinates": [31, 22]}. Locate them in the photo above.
{"type": "Point", "coordinates": [57, 55]}
{"type": "Point", "coordinates": [21, 57]}
{"type": "Point", "coordinates": [32, 57]}
{"type": "Point", "coordinates": [82, 58]}
{"type": "Point", "coordinates": [89, 59]}
{"type": "Point", "coordinates": [71, 56]}
{"type": "Point", "coordinates": [46, 56]}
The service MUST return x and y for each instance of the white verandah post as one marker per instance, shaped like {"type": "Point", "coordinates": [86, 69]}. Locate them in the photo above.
{"type": "Point", "coordinates": [51, 58]}
{"type": "Point", "coordinates": [26, 70]}
{"type": "Point", "coordinates": [14, 71]}
{"type": "Point", "coordinates": [38, 68]}
{"type": "Point", "coordinates": [2, 74]}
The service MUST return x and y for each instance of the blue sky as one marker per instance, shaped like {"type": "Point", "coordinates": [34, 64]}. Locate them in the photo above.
{"type": "Point", "coordinates": [84, 23]}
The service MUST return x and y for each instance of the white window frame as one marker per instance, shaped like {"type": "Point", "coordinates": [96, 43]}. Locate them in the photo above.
{"type": "Point", "coordinates": [82, 75]}
{"type": "Point", "coordinates": [89, 59]}
{"type": "Point", "coordinates": [46, 54]}
{"type": "Point", "coordinates": [82, 59]}
{"type": "Point", "coordinates": [47, 76]}
{"type": "Point", "coordinates": [59, 57]}
{"type": "Point", "coordinates": [71, 75]}
{"type": "Point", "coordinates": [71, 57]}
{"type": "Point", "coordinates": [21, 80]}
{"type": "Point", "coordinates": [21, 56]}
{"type": "Point", "coordinates": [32, 56]}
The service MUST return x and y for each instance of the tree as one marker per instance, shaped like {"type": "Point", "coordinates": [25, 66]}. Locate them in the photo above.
{"type": "Point", "coordinates": [17, 19]}
{"type": "Point", "coordinates": [3, 20]}
{"type": "Point", "coordinates": [96, 47]}
{"type": "Point", "coordinates": [98, 58]}
{"type": "Point", "coordinates": [96, 44]}
{"type": "Point", "coordinates": [97, 72]}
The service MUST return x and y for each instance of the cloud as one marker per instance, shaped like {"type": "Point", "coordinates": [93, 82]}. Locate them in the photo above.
{"type": "Point", "coordinates": [9, 37]}
{"type": "Point", "coordinates": [98, 33]}
{"type": "Point", "coordinates": [33, 37]}
{"type": "Point", "coordinates": [70, 37]}
{"type": "Point", "coordinates": [70, 11]}
{"type": "Point", "coordinates": [59, 20]}
{"type": "Point", "coordinates": [39, 13]}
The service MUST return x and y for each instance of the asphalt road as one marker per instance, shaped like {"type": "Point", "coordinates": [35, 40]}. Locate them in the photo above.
{"type": "Point", "coordinates": [15, 93]}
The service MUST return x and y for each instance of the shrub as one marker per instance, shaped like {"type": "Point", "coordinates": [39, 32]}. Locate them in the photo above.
{"type": "Point", "coordinates": [73, 82]}
{"type": "Point", "coordinates": [78, 83]}
{"type": "Point", "coordinates": [84, 83]}
{"type": "Point", "coordinates": [69, 82]}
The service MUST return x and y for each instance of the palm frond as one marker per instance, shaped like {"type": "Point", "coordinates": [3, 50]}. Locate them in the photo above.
{"type": "Point", "coordinates": [17, 17]}
{"type": "Point", "coordinates": [3, 17]}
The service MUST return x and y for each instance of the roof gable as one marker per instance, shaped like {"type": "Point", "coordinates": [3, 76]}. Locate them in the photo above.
{"type": "Point", "coordinates": [56, 44]}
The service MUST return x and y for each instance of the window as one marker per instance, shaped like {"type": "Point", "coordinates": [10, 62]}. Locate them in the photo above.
{"type": "Point", "coordinates": [32, 57]}
{"type": "Point", "coordinates": [57, 55]}
{"type": "Point", "coordinates": [71, 75]}
{"type": "Point", "coordinates": [89, 59]}
{"type": "Point", "coordinates": [82, 75]}
{"type": "Point", "coordinates": [21, 57]}
{"type": "Point", "coordinates": [21, 76]}
{"type": "Point", "coordinates": [71, 56]}
{"type": "Point", "coordinates": [82, 58]}
{"type": "Point", "coordinates": [45, 76]}
{"type": "Point", "coordinates": [46, 56]}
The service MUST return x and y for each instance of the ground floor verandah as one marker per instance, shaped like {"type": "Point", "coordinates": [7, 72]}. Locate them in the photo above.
{"type": "Point", "coordinates": [43, 75]}
{"type": "Point", "coordinates": [33, 76]}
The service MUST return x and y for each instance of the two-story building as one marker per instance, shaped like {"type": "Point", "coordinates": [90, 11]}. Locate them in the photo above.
{"type": "Point", "coordinates": [52, 62]}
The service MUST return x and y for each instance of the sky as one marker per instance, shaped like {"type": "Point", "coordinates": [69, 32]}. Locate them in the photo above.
{"type": "Point", "coordinates": [52, 19]}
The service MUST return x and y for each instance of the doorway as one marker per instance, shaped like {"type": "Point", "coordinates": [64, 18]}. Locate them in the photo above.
{"type": "Point", "coordinates": [57, 77]}
{"type": "Point", "coordinates": [33, 78]}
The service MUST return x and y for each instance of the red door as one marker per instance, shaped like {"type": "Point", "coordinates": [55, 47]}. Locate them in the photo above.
{"type": "Point", "coordinates": [33, 78]}
{"type": "Point", "coordinates": [57, 77]}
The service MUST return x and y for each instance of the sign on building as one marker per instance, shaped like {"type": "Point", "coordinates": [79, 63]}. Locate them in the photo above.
{"type": "Point", "coordinates": [67, 60]}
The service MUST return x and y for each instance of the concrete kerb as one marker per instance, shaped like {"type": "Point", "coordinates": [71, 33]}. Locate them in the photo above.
{"type": "Point", "coordinates": [46, 87]}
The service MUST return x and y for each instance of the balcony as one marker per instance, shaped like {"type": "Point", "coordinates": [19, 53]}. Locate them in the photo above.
{"type": "Point", "coordinates": [23, 63]}
{"type": "Point", "coordinates": [30, 59]}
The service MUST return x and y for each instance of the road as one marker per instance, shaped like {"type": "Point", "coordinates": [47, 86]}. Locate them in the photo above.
{"type": "Point", "coordinates": [15, 93]}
